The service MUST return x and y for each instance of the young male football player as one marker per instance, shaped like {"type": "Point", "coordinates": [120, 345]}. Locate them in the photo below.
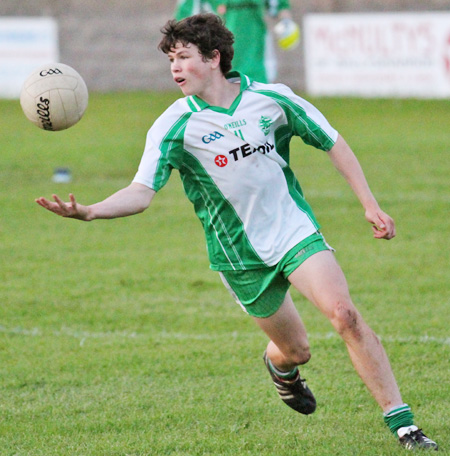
{"type": "Point", "coordinates": [229, 139]}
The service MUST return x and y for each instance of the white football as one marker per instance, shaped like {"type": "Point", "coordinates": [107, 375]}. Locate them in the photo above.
{"type": "Point", "coordinates": [54, 97]}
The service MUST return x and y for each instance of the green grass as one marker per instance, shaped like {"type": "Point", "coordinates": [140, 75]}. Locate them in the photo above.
{"type": "Point", "coordinates": [116, 339]}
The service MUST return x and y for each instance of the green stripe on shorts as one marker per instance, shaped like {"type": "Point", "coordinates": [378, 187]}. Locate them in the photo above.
{"type": "Point", "coordinates": [262, 291]}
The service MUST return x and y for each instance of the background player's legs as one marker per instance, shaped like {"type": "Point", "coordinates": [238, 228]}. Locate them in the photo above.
{"type": "Point", "coordinates": [288, 346]}
{"type": "Point", "coordinates": [321, 280]}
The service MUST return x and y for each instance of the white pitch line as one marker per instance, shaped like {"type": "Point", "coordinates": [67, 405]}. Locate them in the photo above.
{"type": "Point", "coordinates": [64, 331]}
{"type": "Point", "coordinates": [83, 335]}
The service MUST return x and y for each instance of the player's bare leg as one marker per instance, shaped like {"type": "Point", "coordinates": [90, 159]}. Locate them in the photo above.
{"type": "Point", "coordinates": [288, 347]}
{"type": "Point", "coordinates": [321, 280]}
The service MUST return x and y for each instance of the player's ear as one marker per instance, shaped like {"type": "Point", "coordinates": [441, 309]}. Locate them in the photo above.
{"type": "Point", "coordinates": [215, 60]}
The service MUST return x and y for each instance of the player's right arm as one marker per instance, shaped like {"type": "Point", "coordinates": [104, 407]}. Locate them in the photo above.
{"type": "Point", "coordinates": [129, 201]}
{"type": "Point", "coordinates": [153, 173]}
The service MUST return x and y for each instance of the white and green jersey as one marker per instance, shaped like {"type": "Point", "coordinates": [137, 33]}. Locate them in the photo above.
{"type": "Point", "coordinates": [234, 164]}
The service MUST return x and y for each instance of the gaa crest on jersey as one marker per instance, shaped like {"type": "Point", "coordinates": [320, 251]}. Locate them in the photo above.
{"type": "Point", "coordinates": [264, 124]}
{"type": "Point", "coordinates": [212, 137]}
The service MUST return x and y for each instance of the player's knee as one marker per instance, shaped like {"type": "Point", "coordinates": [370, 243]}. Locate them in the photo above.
{"type": "Point", "coordinates": [303, 356]}
{"type": "Point", "coordinates": [299, 355]}
{"type": "Point", "coordinates": [346, 320]}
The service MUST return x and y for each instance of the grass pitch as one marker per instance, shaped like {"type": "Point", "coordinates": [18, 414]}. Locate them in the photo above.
{"type": "Point", "coordinates": [116, 339]}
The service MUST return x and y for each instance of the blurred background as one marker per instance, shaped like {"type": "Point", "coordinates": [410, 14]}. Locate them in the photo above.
{"type": "Point", "coordinates": [113, 44]}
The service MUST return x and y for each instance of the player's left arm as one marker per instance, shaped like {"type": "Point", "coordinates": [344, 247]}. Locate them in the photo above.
{"type": "Point", "coordinates": [349, 167]}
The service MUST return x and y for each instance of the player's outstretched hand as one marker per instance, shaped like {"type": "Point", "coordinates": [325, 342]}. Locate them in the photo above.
{"type": "Point", "coordinates": [70, 209]}
{"type": "Point", "coordinates": [383, 225]}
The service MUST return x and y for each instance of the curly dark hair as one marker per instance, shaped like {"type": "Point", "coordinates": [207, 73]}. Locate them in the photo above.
{"type": "Point", "coordinates": [206, 31]}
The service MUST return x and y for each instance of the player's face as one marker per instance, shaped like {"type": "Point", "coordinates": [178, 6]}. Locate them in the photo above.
{"type": "Point", "coordinates": [190, 71]}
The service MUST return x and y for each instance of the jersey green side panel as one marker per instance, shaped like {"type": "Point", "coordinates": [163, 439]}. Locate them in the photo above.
{"type": "Point", "coordinates": [302, 125]}
{"type": "Point", "coordinates": [171, 148]}
{"type": "Point", "coordinates": [228, 245]}
{"type": "Point", "coordinates": [310, 132]}
{"type": "Point", "coordinates": [283, 136]}
{"type": "Point", "coordinates": [296, 193]}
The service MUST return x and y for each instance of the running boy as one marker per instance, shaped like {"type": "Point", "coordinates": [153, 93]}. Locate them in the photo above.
{"type": "Point", "coordinates": [229, 139]}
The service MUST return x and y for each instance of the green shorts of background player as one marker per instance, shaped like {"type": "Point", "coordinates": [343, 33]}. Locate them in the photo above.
{"type": "Point", "coordinates": [231, 183]}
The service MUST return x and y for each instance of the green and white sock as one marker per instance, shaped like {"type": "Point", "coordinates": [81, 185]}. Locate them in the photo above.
{"type": "Point", "coordinates": [281, 374]}
{"type": "Point", "coordinates": [398, 417]}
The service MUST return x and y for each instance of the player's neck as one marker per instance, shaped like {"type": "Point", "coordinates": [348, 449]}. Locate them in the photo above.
{"type": "Point", "coordinates": [221, 93]}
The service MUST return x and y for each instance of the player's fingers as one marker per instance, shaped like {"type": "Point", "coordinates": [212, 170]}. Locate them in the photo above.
{"type": "Point", "coordinates": [64, 209]}
{"type": "Point", "coordinates": [389, 227]}
{"type": "Point", "coordinates": [58, 199]}
{"type": "Point", "coordinates": [49, 205]}
{"type": "Point", "coordinates": [46, 203]}
{"type": "Point", "coordinates": [388, 232]}
{"type": "Point", "coordinates": [378, 232]}
{"type": "Point", "coordinates": [42, 202]}
{"type": "Point", "coordinates": [73, 201]}
{"type": "Point", "coordinates": [379, 222]}
{"type": "Point", "coordinates": [394, 233]}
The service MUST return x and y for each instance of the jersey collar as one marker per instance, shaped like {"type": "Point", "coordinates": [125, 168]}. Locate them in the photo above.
{"type": "Point", "coordinates": [234, 76]}
{"type": "Point", "coordinates": [196, 104]}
